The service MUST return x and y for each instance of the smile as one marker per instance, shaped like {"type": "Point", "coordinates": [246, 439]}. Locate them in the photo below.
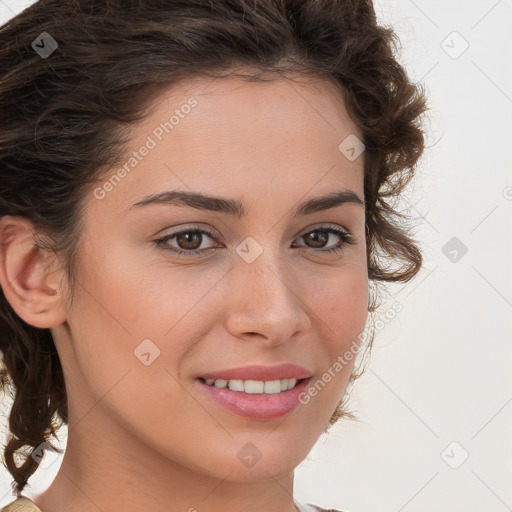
{"type": "Point", "coordinates": [254, 399]}
{"type": "Point", "coordinates": [269, 387]}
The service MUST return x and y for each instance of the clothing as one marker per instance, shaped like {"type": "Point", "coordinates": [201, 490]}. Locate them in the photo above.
{"type": "Point", "coordinates": [21, 504]}
{"type": "Point", "coordinates": [24, 504]}
{"type": "Point", "coordinates": [308, 507]}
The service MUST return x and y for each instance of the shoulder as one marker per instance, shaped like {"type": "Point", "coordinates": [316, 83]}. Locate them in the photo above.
{"type": "Point", "coordinates": [309, 507]}
{"type": "Point", "coordinates": [316, 508]}
{"type": "Point", "coordinates": [21, 504]}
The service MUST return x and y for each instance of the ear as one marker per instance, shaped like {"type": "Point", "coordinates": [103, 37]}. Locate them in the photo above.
{"type": "Point", "coordinates": [30, 279]}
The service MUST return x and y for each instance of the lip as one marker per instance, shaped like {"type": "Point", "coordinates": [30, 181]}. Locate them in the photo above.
{"type": "Point", "coordinates": [258, 406]}
{"type": "Point", "coordinates": [260, 372]}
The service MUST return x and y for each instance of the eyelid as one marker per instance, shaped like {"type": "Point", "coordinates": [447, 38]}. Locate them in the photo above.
{"type": "Point", "coordinates": [347, 238]}
{"type": "Point", "coordinates": [191, 227]}
{"type": "Point", "coordinates": [319, 226]}
{"type": "Point", "coordinates": [214, 233]}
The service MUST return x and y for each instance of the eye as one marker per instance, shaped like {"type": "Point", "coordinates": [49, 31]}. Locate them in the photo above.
{"type": "Point", "coordinates": [320, 236]}
{"type": "Point", "coordinates": [189, 240]}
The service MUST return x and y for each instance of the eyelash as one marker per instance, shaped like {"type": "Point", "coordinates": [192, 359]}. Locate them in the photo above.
{"type": "Point", "coordinates": [345, 236]}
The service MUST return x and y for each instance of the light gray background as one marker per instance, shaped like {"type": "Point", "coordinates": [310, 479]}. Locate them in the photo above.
{"type": "Point", "coordinates": [435, 404]}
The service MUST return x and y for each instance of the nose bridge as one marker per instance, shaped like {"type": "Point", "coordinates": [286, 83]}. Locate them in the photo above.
{"type": "Point", "coordinates": [266, 273]}
{"type": "Point", "coordinates": [267, 302]}
{"type": "Point", "coordinates": [268, 281]}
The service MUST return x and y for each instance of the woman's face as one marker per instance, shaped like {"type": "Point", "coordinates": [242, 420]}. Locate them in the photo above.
{"type": "Point", "coordinates": [149, 324]}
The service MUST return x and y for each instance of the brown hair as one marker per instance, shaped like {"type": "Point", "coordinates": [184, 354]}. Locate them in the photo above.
{"type": "Point", "coordinates": [64, 117]}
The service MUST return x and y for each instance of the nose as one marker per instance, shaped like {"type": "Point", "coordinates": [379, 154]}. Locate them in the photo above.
{"type": "Point", "coordinates": [266, 303]}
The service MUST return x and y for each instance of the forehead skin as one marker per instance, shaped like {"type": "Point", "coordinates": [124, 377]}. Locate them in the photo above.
{"type": "Point", "coordinates": [252, 136]}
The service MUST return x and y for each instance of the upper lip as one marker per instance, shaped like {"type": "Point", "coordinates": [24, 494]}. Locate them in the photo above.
{"type": "Point", "coordinates": [260, 372]}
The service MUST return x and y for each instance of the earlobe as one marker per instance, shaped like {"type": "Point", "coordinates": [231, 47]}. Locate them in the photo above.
{"type": "Point", "coordinates": [28, 281]}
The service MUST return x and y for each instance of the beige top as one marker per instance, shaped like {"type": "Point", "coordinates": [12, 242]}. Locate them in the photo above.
{"type": "Point", "coordinates": [21, 504]}
{"type": "Point", "coordinates": [24, 504]}
{"type": "Point", "coordinates": [308, 507]}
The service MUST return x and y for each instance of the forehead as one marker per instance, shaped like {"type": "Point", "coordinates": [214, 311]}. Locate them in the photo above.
{"type": "Point", "coordinates": [258, 136]}
{"type": "Point", "coordinates": [269, 103]}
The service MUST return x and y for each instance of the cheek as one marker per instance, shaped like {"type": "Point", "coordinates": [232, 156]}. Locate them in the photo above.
{"type": "Point", "coordinates": [130, 311]}
{"type": "Point", "coordinates": [340, 304]}
{"type": "Point", "coordinates": [129, 295]}
{"type": "Point", "coordinates": [121, 356]}
{"type": "Point", "coordinates": [339, 308]}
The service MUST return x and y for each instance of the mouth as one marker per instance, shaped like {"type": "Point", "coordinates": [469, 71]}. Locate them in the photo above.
{"type": "Point", "coordinates": [254, 387]}
{"type": "Point", "coordinates": [254, 399]}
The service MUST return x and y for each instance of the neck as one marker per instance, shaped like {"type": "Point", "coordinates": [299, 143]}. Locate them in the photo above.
{"type": "Point", "coordinates": [123, 473]}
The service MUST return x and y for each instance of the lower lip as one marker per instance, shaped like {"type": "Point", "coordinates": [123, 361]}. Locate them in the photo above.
{"type": "Point", "coordinates": [259, 406]}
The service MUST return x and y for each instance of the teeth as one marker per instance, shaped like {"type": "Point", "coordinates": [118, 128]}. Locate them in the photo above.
{"type": "Point", "coordinates": [236, 385]}
{"type": "Point", "coordinates": [253, 386]}
{"type": "Point", "coordinates": [272, 386]}
{"type": "Point", "coordinates": [268, 387]}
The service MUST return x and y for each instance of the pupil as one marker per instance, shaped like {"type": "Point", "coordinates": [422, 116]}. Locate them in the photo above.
{"type": "Point", "coordinates": [184, 239]}
{"type": "Point", "coordinates": [316, 236]}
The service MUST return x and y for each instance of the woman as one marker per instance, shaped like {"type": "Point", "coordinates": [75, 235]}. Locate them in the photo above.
{"type": "Point", "coordinates": [196, 198]}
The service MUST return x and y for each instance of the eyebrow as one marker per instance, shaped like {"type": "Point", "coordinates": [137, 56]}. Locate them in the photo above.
{"type": "Point", "coordinates": [235, 207]}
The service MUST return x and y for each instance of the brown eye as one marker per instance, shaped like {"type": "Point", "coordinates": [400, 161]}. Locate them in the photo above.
{"type": "Point", "coordinates": [186, 241]}
{"type": "Point", "coordinates": [317, 239]}
{"type": "Point", "coordinates": [189, 240]}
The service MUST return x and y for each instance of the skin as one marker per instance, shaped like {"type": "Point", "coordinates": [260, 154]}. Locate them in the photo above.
{"type": "Point", "coordinates": [142, 437]}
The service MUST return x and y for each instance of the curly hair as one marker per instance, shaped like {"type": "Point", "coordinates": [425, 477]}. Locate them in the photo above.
{"type": "Point", "coordinates": [65, 117]}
